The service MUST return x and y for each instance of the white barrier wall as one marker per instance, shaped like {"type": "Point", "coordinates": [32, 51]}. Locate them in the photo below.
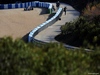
{"type": "Point", "coordinates": [44, 25]}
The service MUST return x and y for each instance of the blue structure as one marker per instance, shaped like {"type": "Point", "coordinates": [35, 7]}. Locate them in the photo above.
{"type": "Point", "coordinates": [26, 4]}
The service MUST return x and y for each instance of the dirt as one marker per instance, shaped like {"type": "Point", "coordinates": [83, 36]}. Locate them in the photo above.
{"type": "Point", "coordinates": [17, 22]}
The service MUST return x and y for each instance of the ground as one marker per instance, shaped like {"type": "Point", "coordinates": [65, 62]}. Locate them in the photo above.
{"type": "Point", "coordinates": [17, 22]}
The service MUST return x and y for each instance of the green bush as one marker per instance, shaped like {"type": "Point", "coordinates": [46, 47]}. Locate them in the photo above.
{"type": "Point", "coordinates": [19, 58]}
{"type": "Point", "coordinates": [82, 30]}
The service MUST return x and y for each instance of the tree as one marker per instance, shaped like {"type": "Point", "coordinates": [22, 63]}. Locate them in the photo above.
{"type": "Point", "coordinates": [19, 58]}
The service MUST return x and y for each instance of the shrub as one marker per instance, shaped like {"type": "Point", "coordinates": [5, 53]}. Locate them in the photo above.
{"type": "Point", "coordinates": [19, 58]}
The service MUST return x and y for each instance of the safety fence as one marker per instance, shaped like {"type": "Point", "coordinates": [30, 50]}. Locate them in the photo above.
{"type": "Point", "coordinates": [43, 26]}
{"type": "Point", "coordinates": [26, 4]}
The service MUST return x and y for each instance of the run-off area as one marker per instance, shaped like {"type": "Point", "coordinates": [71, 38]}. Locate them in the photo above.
{"type": "Point", "coordinates": [17, 22]}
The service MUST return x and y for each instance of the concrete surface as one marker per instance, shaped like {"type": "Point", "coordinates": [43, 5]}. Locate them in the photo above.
{"type": "Point", "coordinates": [49, 33]}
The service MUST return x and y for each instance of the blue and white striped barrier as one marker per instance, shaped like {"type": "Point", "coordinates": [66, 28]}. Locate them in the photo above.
{"type": "Point", "coordinates": [26, 4]}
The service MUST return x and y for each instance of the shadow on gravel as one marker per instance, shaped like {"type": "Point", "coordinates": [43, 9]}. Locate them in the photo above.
{"type": "Point", "coordinates": [44, 11]}
{"type": "Point", "coordinates": [73, 12]}
{"type": "Point", "coordinates": [25, 38]}
{"type": "Point", "coordinates": [58, 31]}
{"type": "Point", "coordinates": [50, 38]}
{"type": "Point", "coordinates": [70, 10]}
{"type": "Point", "coordinates": [69, 40]}
{"type": "Point", "coordinates": [50, 16]}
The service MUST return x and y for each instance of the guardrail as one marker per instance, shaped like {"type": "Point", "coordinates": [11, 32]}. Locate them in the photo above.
{"type": "Point", "coordinates": [44, 25]}
{"type": "Point", "coordinates": [26, 4]}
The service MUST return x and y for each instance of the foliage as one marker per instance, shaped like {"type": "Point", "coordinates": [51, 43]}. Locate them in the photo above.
{"type": "Point", "coordinates": [81, 32]}
{"type": "Point", "coordinates": [19, 58]}
{"type": "Point", "coordinates": [15, 57]}
{"type": "Point", "coordinates": [92, 9]}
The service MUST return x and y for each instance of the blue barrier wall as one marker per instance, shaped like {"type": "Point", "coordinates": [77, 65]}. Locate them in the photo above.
{"type": "Point", "coordinates": [24, 5]}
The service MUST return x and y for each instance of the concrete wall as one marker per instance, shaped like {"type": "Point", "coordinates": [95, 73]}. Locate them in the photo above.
{"type": "Point", "coordinates": [44, 25]}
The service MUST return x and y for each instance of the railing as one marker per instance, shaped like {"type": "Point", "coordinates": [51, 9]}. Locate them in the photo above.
{"type": "Point", "coordinates": [44, 25]}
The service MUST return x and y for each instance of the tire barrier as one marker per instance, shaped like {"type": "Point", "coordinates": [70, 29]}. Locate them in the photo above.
{"type": "Point", "coordinates": [26, 4]}
{"type": "Point", "coordinates": [44, 25]}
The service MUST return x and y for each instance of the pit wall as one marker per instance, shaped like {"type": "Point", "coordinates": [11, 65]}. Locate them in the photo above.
{"type": "Point", "coordinates": [26, 4]}
{"type": "Point", "coordinates": [43, 26]}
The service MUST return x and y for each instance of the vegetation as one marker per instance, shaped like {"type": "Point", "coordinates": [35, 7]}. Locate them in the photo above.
{"type": "Point", "coordinates": [19, 58]}
{"type": "Point", "coordinates": [91, 10]}
{"type": "Point", "coordinates": [81, 32]}
{"type": "Point", "coordinates": [85, 31]}
{"type": "Point", "coordinates": [80, 4]}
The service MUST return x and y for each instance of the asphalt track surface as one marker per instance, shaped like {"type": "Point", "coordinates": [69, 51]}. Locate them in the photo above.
{"type": "Point", "coordinates": [48, 34]}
